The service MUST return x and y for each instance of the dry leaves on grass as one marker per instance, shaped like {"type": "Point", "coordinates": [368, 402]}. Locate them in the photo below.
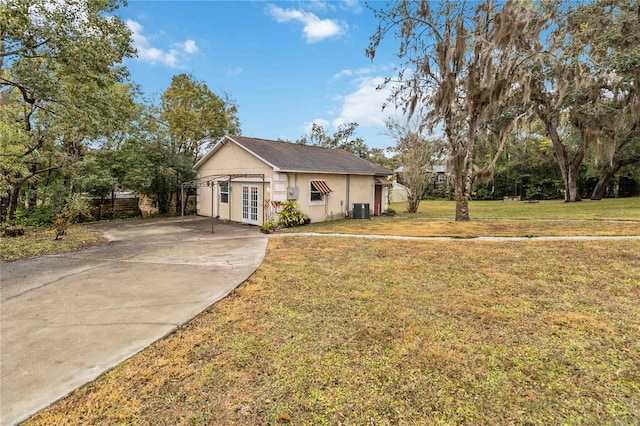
{"type": "Point", "coordinates": [422, 227]}
{"type": "Point", "coordinates": [395, 332]}
{"type": "Point", "coordinates": [42, 241]}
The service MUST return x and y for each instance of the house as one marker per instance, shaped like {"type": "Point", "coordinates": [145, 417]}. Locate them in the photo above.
{"type": "Point", "coordinates": [240, 176]}
{"type": "Point", "coordinates": [437, 182]}
{"type": "Point", "coordinates": [439, 177]}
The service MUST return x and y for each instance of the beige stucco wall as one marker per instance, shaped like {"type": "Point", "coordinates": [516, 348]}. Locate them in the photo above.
{"type": "Point", "coordinates": [336, 204]}
{"type": "Point", "coordinates": [330, 208]}
{"type": "Point", "coordinates": [232, 159]}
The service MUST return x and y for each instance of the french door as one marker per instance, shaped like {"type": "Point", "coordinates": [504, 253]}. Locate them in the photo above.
{"type": "Point", "coordinates": [250, 204]}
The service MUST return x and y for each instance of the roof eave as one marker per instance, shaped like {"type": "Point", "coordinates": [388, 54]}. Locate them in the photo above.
{"type": "Point", "coordinates": [359, 173]}
{"type": "Point", "coordinates": [219, 144]}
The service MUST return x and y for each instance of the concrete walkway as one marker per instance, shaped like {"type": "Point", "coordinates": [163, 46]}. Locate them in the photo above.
{"type": "Point", "coordinates": [466, 239]}
{"type": "Point", "coordinates": [66, 319]}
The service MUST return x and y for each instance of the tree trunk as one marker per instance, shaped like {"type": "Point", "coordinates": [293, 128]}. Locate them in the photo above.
{"type": "Point", "coordinates": [113, 204]}
{"type": "Point", "coordinates": [607, 173]}
{"type": "Point", "coordinates": [571, 193]}
{"type": "Point", "coordinates": [460, 189]}
{"type": "Point", "coordinates": [412, 201]}
{"type": "Point", "coordinates": [413, 206]}
{"type": "Point", "coordinates": [4, 205]}
{"type": "Point", "coordinates": [570, 170]}
{"type": "Point", "coordinates": [462, 204]}
{"type": "Point", "coordinates": [599, 190]}
{"type": "Point", "coordinates": [15, 194]}
{"type": "Point", "coordinates": [13, 202]}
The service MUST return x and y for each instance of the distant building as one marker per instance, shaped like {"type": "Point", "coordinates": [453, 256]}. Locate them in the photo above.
{"type": "Point", "coordinates": [399, 191]}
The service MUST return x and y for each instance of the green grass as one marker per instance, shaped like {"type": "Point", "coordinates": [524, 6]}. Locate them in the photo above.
{"type": "Point", "coordinates": [354, 332]}
{"type": "Point", "coordinates": [607, 209]}
{"type": "Point", "coordinates": [497, 218]}
{"type": "Point", "coordinates": [41, 241]}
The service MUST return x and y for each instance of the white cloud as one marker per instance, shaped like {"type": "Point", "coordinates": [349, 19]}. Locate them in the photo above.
{"type": "Point", "coordinates": [315, 29]}
{"type": "Point", "coordinates": [319, 5]}
{"type": "Point", "coordinates": [153, 55]}
{"type": "Point", "coordinates": [319, 121]}
{"type": "Point", "coordinates": [234, 71]}
{"type": "Point", "coordinates": [343, 73]}
{"type": "Point", "coordinates": [364, 105]}
{"type": "Point", "coordinates": [190, 47]}
{"type": "Point", "coordinates": [349, 73]}
{"type": "Point", "coordinates": [352, 5]}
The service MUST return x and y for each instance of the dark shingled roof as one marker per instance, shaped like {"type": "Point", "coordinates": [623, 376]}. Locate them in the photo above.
{"type": "Point", "coordinates": [291, 157]}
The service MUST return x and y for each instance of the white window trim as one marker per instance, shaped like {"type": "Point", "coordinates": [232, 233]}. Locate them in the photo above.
{"type": "Point", "coordinates": [224, 192]}
{"type": "Point", "coordinates": [248, 219]}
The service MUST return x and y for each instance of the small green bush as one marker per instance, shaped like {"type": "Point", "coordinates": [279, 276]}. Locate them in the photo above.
{"type": "Point", "coordinates": [268, 226]}
{"type": "Point", "coordinates": [290, 215]}
{"type": "Point", "coordinates": [78, 208]}
{"type": "Point", "coordinates": [40, 215]}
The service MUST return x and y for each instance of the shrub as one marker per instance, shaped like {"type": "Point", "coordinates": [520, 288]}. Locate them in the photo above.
{"type": "Point", "coordinates": [290, 215]}
{"type": "Point", "coordinates": [77, 209]}
{"type": "Point", "coordinates": [40, 215]}
{"type": "Point", "coordinates": [268, 226]}
{"type": "Point", "coordinates": [60, 225]}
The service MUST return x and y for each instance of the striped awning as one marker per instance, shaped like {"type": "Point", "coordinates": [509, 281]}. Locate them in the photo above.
{"type": "Point", "coordinates": [381, 180]}
{"type": "Point", "coordinates": [321, 186]}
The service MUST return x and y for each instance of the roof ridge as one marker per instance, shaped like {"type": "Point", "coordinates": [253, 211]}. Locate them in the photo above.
{"type": "Point", "coordinates": [292, 143]}
{"type": "Point", "coordinates": [291, 156]}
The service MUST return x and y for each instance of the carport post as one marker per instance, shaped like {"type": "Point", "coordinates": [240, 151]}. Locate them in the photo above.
{"type": "Point", "coordinates": [182, 203]}
{"type": "Point", "coordinates": [212, 217]}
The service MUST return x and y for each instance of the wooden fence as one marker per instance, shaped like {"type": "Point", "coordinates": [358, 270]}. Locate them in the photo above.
{"type": "Point", "coordinates": [115, 208]}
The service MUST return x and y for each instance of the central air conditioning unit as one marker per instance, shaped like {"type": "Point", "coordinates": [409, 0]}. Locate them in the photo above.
{"type": "Point", "coordinates": [361, 211]}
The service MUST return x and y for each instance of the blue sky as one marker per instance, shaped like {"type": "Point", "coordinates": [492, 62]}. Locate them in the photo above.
{"type": "Point", "coordinates": [287, 64]}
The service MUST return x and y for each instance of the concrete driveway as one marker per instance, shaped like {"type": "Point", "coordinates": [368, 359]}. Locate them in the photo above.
{"type": "Point", "coordinates": [66, 319]}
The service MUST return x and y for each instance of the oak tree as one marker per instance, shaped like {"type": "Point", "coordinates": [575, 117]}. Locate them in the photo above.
{"type": "Point", "coordinates": [57, 60]}
{"type": "Point", "coordinates": [460, 64]}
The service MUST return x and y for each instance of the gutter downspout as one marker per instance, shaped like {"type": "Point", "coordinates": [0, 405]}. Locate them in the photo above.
{"type": "Point", "coordinates": [218, 200]}
{"type": "Point", "coordinates": [347, 196]}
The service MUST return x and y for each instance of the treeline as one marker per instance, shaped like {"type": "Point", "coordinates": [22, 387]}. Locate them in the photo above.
{"type": "Point", "coordinates": [72, 125]}
{"type": "Point", "coordinates": [481, 74]}
{"type": "Point", "coordinates": [528, 169]}
{"type": "Point", "coordinates": [538, 99]}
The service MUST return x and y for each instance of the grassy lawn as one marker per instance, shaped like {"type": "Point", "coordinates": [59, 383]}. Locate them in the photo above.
{"type": "Point", "coordinates": [377, 332]}
{"type": "Point", "coordinates": [497, 218]}
{"type": "Point", "coordinates": [607, 209]}
{"type": "Point", "coordinates": [41, 241]}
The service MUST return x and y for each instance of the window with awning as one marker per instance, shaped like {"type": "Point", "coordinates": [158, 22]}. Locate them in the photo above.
{"type": "Point", "coordinates": [318, 189]}
{"type": "Point", "coordinates": [321, 186]}
{"type": "Point", "coordinates": [381, 180]}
